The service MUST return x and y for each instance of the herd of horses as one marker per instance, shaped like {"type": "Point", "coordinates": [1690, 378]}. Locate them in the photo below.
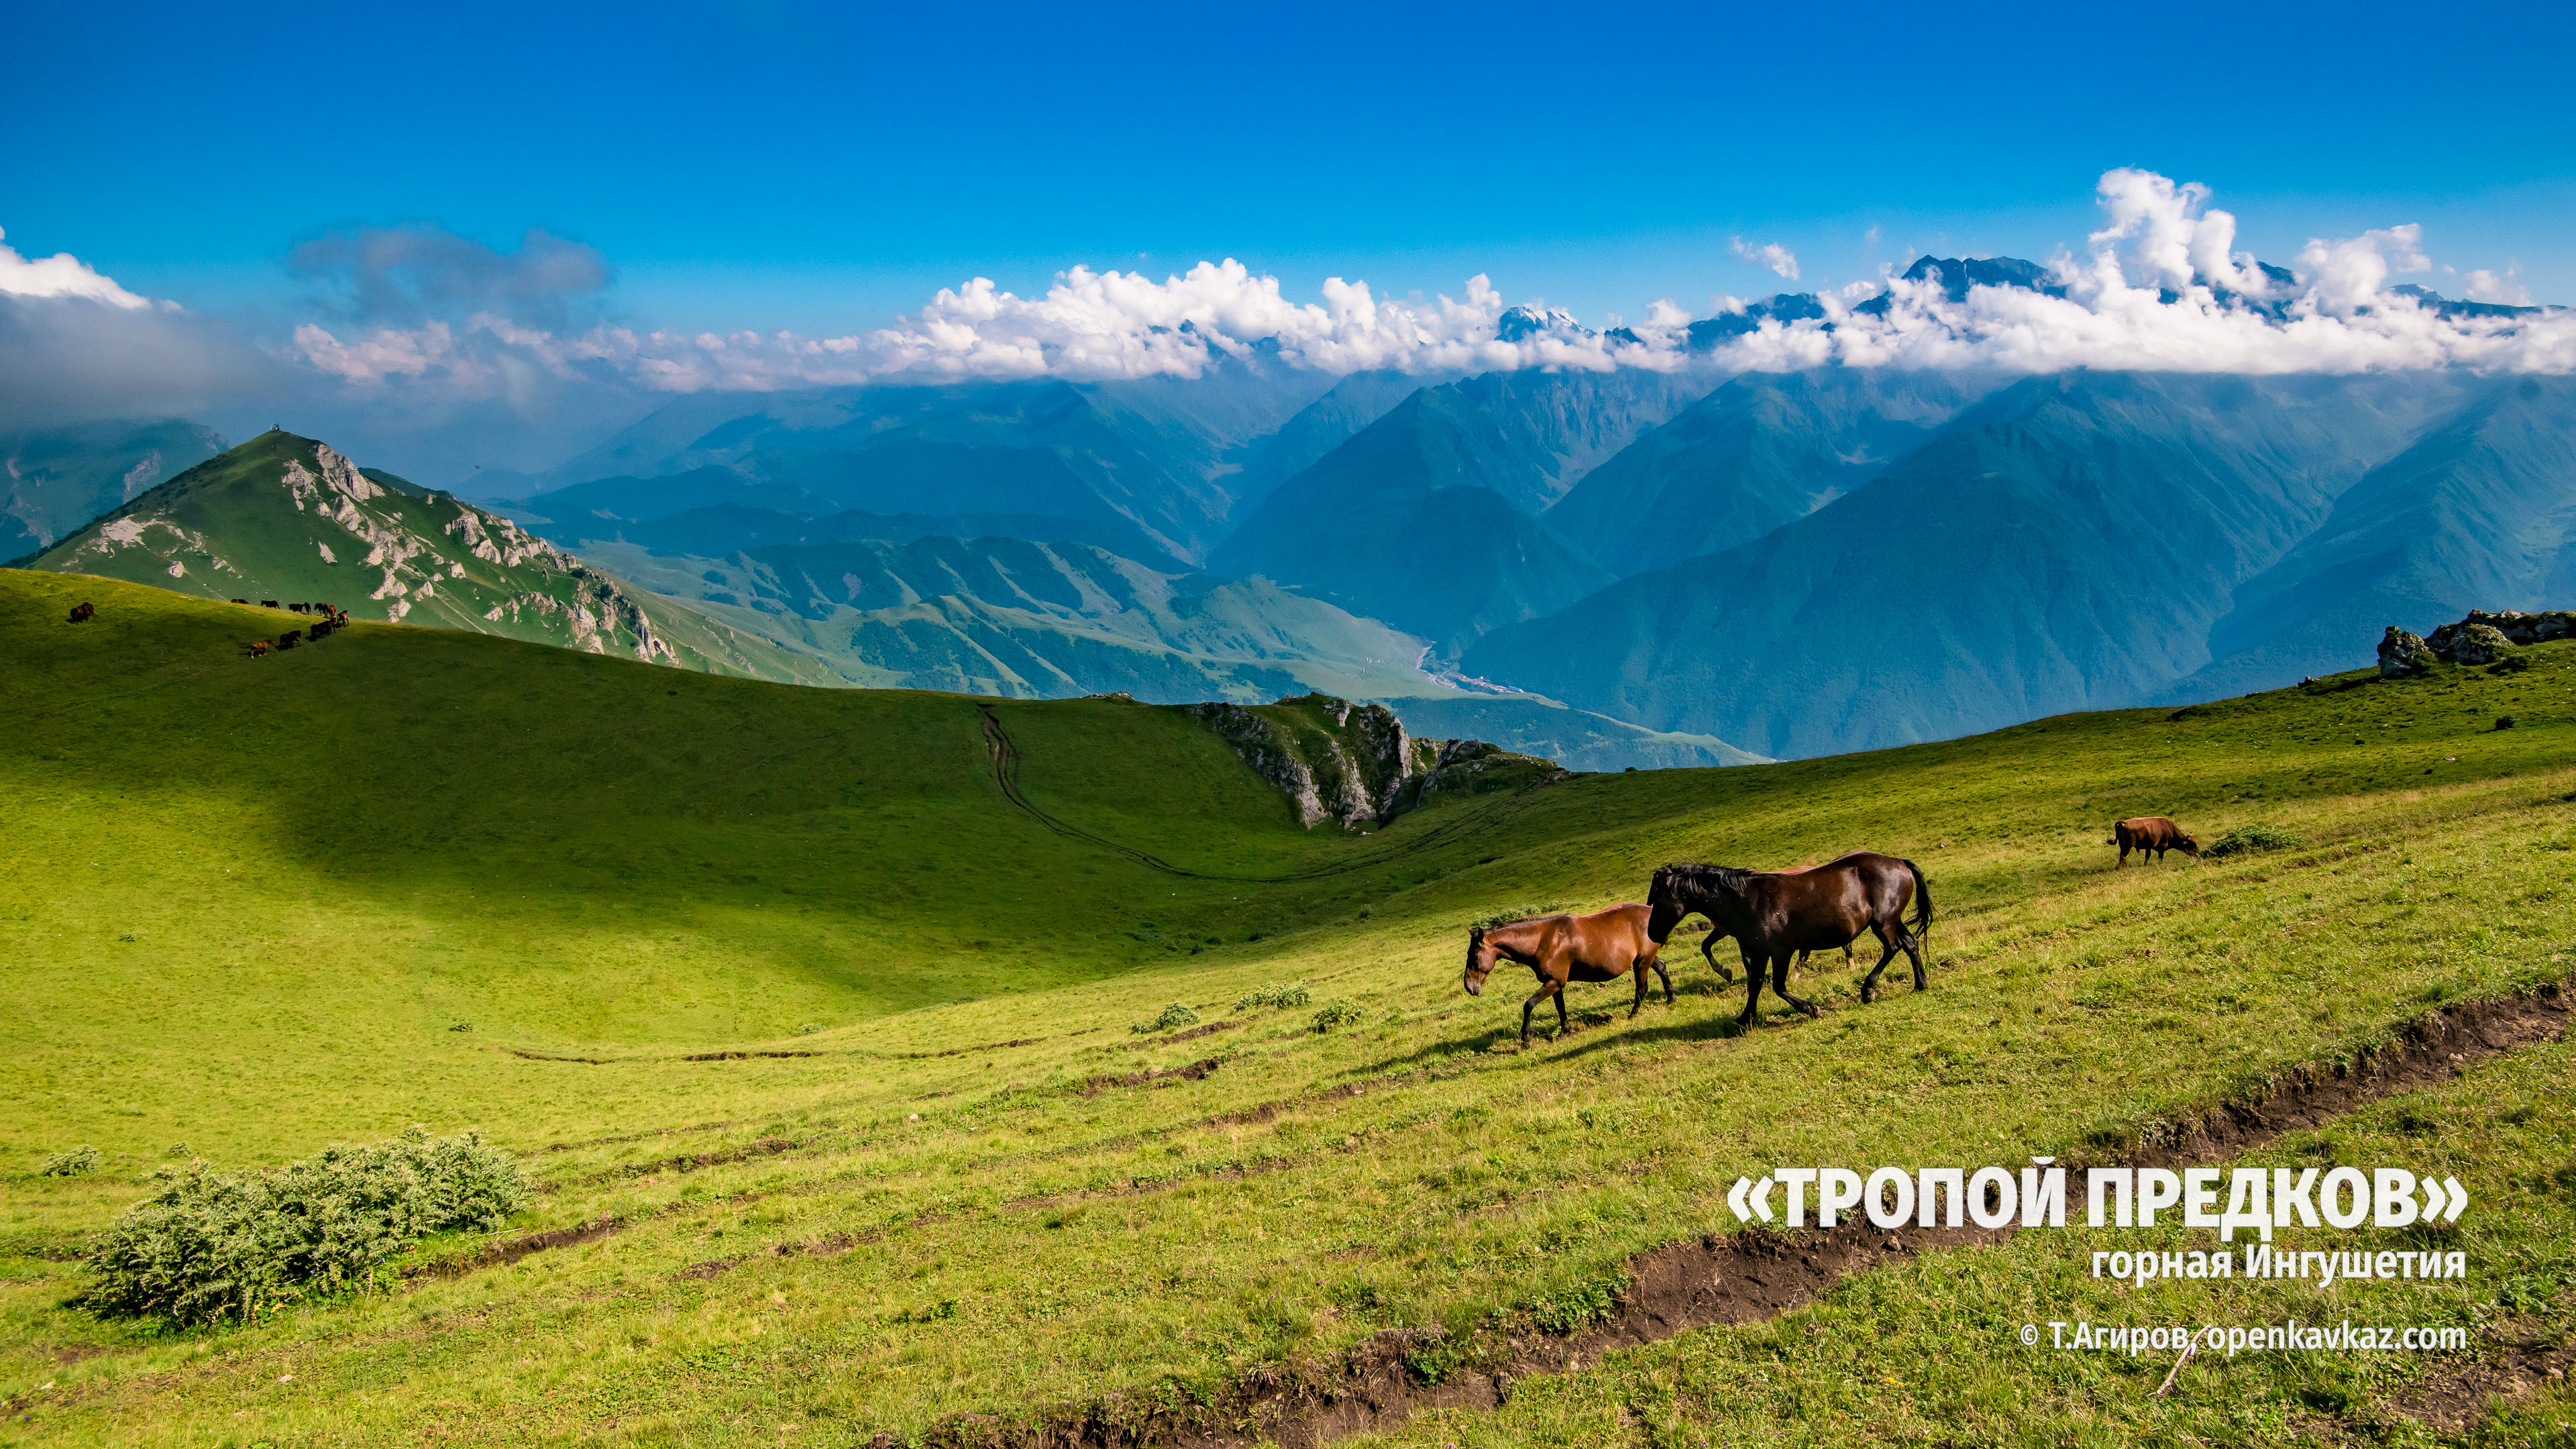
{"type": "Point", "coordinates": [1772, 915]}
{"type": "Point", "coordinates": [321, 629]}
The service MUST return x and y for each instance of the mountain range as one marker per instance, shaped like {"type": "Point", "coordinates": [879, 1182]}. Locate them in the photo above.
{"type": "Point", "coordinates": [1627, 567]}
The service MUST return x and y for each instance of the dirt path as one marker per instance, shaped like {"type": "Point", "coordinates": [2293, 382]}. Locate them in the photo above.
{"type": "Point", "coordinates": [1749, 1276]}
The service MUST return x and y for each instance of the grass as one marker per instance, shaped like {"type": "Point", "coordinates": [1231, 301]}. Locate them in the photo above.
{"type": "Point", "coordinates": [629, 882]}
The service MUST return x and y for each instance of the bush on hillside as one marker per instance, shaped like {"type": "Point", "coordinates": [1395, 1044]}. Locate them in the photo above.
{"type": "Point", "coordinates": [75, 1162]}
{"type": "Point", "coordinates": [1510, 914]}
{"type": "Point", "coordinates": [1173, 1015]}
{"type": "Point", "coordinates": [210, 1248]}
{"type": "Point", "coordinates": [2245, 839]}
{"type": "Point", "coordinates": [1277, 993]}
{"type": "Point", "coordinates": [1335, 1013]}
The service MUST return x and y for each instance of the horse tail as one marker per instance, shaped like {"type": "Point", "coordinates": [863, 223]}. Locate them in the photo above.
{"type": "Point", "coordinates": [1922, 899]}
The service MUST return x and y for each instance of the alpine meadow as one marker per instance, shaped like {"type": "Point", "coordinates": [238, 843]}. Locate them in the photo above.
{"type": "Point", "coordinates": [1425, 727]}
{"type": "Point", "coordinates": [833, 1080]}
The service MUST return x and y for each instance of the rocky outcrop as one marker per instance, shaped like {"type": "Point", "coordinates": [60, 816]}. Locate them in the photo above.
{"type": "Point", "coordinates": [2402, 652]}
{"type": "Point", "coordinates": [2487, 636]}
{"type": "Point", "coordinates": [2481, 638]}
{"type": "Point", "coordinates": [1355, 764]}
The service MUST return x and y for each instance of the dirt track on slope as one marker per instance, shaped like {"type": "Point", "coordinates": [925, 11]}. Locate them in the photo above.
{"type": "Point", "coordinates": [1753, 1275]}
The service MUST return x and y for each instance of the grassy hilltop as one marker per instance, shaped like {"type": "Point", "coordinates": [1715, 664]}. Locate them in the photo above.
{"type": "Point", "coordinates": [829, 1042]}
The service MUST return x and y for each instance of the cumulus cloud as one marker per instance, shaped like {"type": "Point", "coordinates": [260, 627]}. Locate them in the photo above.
{"type": "Point", "coordinates": [2486, 286]}
{"type": "Point", "coordinates": [2161, 287]}
{"type": "Point", "coordinates": [1771, 254]}
{"type": "Point", "coordinates": [60, 275]}
{"type": "Point", "coordinates": [410, 332]}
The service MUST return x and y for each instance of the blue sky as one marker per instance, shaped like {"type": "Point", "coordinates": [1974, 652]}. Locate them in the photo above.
{"type": "Point", "coordinates": [819, 168]}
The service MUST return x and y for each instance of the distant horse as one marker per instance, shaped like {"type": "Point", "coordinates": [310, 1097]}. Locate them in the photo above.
{"type": "Point", "coordinates": [2150, 832]}
{"type": "Point", "coordinates": [82, 613]}
{"type": "Point", "coordinates": [1773, 916]}
{"type": "Point", "coordinates": [256, 649]}
{"type": "Point", "coordinates": [1725, 973]}
{"type": "Point", "coordinates": [1602, 946]}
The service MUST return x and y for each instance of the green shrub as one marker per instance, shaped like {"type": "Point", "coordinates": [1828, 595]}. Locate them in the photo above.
{"type": "Point", "coordinates": [2247, 838]}
{"type": "Point", "coordinates": [76, 1162]}
{"type": "Point", "coordinates": [208, 1248]}
{"type": "Point", "coordinates": [1509, 914]}
{"type": "Point", "coordinates": [1333, 1014]}
{"type": "Point", "coordinates": [1173, 1015]}
{"type": "Point", "coordinates": [1277, 993]}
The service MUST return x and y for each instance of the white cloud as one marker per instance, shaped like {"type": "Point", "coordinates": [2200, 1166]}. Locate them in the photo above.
{"type": "Point", "coordinates": [2486, 286]}
{"type": "Point", "coordinates": [427, 333]}
{"type": "Point", "coordinates": [61, 275]}
{"type": "Point", "coordinates": [1770, 254]}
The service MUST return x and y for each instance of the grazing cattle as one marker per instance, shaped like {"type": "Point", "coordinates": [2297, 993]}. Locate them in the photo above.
{"type": "Point", "coordinates": [82, 613]}
{"type": "Point", "coordinates": [2150, 832]}
{"type": "Point", "coordinates": [257, 648]}
{"type": "Point", "coordinates": [1602, 946]}
{"type": "Point", "coordinates": [1772, 917]}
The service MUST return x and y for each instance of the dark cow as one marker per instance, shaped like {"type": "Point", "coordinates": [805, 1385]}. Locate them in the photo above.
{"type": "Point", "coordinates": [2150, 832]}
{"type": "Point", "coordinates": [82, 613]}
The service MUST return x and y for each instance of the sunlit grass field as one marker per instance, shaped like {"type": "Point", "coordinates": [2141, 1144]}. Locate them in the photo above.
{"type": "Point", "coordinates": [410, 876]}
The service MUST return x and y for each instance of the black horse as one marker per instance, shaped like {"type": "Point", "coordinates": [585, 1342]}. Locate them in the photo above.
{"type": "Point", "coordinates": [1774, 917]}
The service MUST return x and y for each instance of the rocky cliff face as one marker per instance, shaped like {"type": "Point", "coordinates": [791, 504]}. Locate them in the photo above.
{"type": "Point", "coordinates": [1355, 764]}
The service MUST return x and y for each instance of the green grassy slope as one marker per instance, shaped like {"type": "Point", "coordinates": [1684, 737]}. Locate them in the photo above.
{"type": "Point", "coordinates": [259, 896]}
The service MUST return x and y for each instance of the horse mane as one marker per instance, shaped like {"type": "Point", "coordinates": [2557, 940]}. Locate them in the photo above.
{"type": "Point", "coordinates": [1700, 878]}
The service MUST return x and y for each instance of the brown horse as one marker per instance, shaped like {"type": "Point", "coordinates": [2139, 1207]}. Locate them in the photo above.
{"type": "Point", "coordinates": [1602, 946]}
{"type": "Point", "coordinates": [1772, 917]}
{"type": "Point", "coordinates": [2150, 832]}
{"type": "Point", "coordinates": [1717, 933]}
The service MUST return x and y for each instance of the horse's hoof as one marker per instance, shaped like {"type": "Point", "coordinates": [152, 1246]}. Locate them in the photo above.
{"type": "Point", "coordinates": [1868, 994]}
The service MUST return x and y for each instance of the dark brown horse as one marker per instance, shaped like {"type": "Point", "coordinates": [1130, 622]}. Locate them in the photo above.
{"type": "Point", "coordinates": [1708, 943]}
{"type": "Point", "coordinates": [1773, 917]}
{"type": "Point", "coordinates": [1602, 946]}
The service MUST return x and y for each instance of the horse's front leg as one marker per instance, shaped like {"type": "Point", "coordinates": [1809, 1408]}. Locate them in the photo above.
{"type": "Point", "coordinates": [1708, 949]}
{"type": "Point", "coordinates": [1662, 975]}
{"type": "Point", "coordinates": [1752, 988]}
{"type": "Point", "coordinates": [1546, 989]}
{"type": "Point", "coordinates": [1780, 986]}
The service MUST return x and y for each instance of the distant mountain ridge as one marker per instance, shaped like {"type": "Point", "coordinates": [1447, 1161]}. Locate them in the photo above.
{"type": "Point", "coordinates": [2066, 544]}
{"type": "Point", "coordinates": [54, 480]}
{"type": "Point", "coordinates": [288, 518]}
